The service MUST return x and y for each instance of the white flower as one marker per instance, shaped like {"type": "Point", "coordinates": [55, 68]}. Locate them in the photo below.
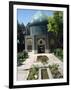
{"type": "Point", "coordinates": [35, 76]}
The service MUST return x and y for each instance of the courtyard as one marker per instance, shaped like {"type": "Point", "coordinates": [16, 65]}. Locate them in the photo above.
{"type": "Point", "coordinates": [32, 69]}
{"type": "Point", "coordinates": [40, 46]}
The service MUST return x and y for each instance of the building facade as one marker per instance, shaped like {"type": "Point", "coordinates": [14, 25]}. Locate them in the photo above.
{"type": "Point", "coordinates": [36, 38]}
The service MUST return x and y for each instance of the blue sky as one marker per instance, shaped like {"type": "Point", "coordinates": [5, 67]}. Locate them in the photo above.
{"type": "Point", "coordinates": [25, 15]}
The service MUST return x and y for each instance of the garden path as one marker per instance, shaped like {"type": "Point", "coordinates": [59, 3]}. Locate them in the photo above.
{"type": "Point", "coordinates": [23, 70]}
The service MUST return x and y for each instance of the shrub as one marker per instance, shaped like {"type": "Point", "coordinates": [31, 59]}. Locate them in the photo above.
{"type": "Point", "coordinates": [55, 72]}
{"type": "Point", "coordinates": [33, 74]}
{"type": "Point", "coordinates": [21, 57]}
{"type": "Point", "coordinates": [58, 52]}
{"type": "Point", "coordinates": [25, 54]}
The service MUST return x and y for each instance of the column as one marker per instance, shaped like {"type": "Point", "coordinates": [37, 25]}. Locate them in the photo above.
{"type": "Point", "coordinates": [33, 44]}
{"type": "Point", "coordinates": [39, 73]}
{"type": "Point", "coordinates": [25, 44]}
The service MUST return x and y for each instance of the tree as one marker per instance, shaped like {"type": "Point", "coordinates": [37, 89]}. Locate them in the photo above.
{"type": "Point", "coordinates": [21, 30]}
{"type": "Point", "coordinates": [55, 25]}
{"type": "Point", "coordinates": [28, 29]}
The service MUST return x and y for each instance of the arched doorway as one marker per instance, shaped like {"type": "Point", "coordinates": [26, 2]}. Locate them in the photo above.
{"type": "Point", "coordinates": [41, 46]}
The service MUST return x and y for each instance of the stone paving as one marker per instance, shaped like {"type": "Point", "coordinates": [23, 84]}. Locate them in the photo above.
{"type": "Point", "coordinates": [23, 70]}
{"type": "Point", "coordinates": [49, 73]}
{"type": "Point", "coordinates": [22, 74]}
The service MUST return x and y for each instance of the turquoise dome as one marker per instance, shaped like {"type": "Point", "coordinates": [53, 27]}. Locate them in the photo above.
{"type": "Point", "coordinates": [38, 24]}
{"type": "Point", "coordinates": [39, 17]}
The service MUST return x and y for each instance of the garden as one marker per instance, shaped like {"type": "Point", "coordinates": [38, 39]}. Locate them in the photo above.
{"type": "Point", "coordinates": [44, 74]}
{"type": "Point", "coordinates": [55, 72]}
{"type": "Point", "coordinates": [55, 39]}
{"type": "Point", "coordinates": [33, 73]}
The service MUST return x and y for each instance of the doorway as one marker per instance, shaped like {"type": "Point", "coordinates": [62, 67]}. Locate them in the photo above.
{"type": "Point", "coordinates": [41, 48]}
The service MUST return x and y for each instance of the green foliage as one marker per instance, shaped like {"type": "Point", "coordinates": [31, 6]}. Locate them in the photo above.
{"type": "Point", "coordinates": [20, 36]}
{"type": "Point", "coordinates": [33, 74]}
{"type": "Point", "coordinates": [55, 25]}
{"type": "Point", "coordinates": [54, 67]}
{"type": "Point", "coordinates": [51, 24]}
{"type": "Point", "coordinates": [55, 72]}
{"type": "Point", "coordinates": [59, 53]}
{"type": "Point", "coordinates": [25, 54]}
{"type": "Point", "coordinates": [21, 57]}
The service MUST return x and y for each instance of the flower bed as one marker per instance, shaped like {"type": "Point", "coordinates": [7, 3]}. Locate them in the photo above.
{"type": "Point", "coordinates": [33, 74]}
{"type": "Point", "coordinates": [55, 72]}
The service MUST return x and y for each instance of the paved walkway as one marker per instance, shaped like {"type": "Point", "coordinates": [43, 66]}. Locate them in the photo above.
{"type": "Point", "coordinates": [22, 74]}
{"type": "Point", "coordinates": [23, 70]}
